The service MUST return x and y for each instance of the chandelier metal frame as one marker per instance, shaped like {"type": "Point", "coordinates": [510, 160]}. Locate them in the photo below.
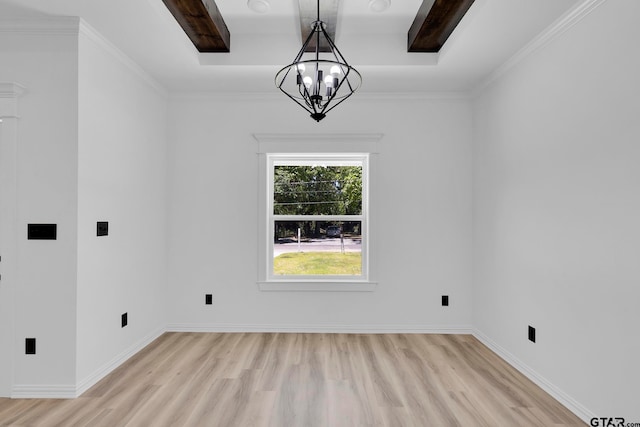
{"type": "Point", "coordinates": [316, 83]}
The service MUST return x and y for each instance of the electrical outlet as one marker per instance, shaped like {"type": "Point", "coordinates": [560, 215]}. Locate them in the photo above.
{"type": "Point", "coordinates": [30, 346]}
{"type": "Point", "coordinates": [445, 300]}
{"type": "Point", "coordinates": [532, 334]}
{"type": "Point", "coordinates": [42, 231]}
{"type": "Point", "coordinates": [208, 299]}
{"type": "Point", "coordinates": [102, 228]}
{"type": "Point", "coordinates": [124, 319]}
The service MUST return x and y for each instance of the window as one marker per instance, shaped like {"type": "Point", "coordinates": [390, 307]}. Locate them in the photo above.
{"type": "Point", "coordinates": [317, 227]}
{"type": "Point", "coordinates": [307, 150]}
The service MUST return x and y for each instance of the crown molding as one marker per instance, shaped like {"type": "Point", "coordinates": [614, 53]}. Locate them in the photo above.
{"type": "Point", "coordinates": [92, 34]}
{"type": "Point", "coordinates": [211, 95]}
{"type": "Point", "coordinates": [74, 26]}
{"type": "Point", "coordinates": [51, 26]}
{"type": "Point", "coordinates": [9, 94]}
{"type": "Point", "coordinates": [277, 96]}
{"type": "Point", "coordinates": [409, 96]}
{"type": "Point", "coordinates": [551, 33]}
{"type": "Point", "coordinates": [11, 90]}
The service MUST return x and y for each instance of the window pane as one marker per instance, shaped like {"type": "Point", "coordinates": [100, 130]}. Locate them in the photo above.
{"type": "Point", "coordinates": [324, 248]}
{"type": "Point", "coordinates": [317, 190]}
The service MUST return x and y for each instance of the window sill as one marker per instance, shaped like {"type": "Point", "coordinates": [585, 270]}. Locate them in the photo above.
{"type": "Point", "coordinates": [317, 286]}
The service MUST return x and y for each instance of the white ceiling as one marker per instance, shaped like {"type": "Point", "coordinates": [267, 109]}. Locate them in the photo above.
{"type": "Point", "coordinates": [374, 43]}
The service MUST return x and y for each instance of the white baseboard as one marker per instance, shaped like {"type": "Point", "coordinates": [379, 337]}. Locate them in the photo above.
{"type": "Point", "coordinates": [43, 391]}
{"type": "Point", "coordinates": [73, 391]}
{"type": "Point", "coordinates": [107, 368]}
{"type": "Point", "coordinates": [562, 397]}
{"type": "Point", "coordinates": [326, 328]}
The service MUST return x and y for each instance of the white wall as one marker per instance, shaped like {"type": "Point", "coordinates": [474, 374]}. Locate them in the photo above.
{"type": "Point", "coordinates": [91, 146]}
{"type": "Point", "coordinates": [423, 215]}
{"type": "Point", "coordinates": [556, 208]}
{"type": "Point", "coordinates": [46, 63]}
{"type": "Point", "coordinates": [121, 179]}
{"type": "Point", "coordinates": [9, 93]}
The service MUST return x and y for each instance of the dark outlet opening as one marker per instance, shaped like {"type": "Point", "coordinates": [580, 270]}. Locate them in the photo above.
{"type": "Point", "coordinates": [124, 320]}
{"type": "Point", "coordinates": [532, 334]}
{"type": "Point", "coordinates": [102, 228]}
{"type": "Point", "coordinates": [42, 231]}
{"type": "Point", "coordinates": [445, 300]}
{"type": "Point", "coordinates": [208, 299]}
{"type": "Point", "coordinates": [30, 346]}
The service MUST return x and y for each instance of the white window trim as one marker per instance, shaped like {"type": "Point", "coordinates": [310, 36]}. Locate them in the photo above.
{"type": "Point", "coordinates": [333, 146]}
{"type": "Point", "coordinates": [309, 159]}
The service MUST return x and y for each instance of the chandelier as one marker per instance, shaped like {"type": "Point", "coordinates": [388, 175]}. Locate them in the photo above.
{"type": "Point", "coordinates": [318, 81]}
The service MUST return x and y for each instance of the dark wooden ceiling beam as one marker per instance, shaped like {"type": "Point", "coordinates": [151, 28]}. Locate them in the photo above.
{"type": "Point", "coordinates": [309, 14]}
{"type": "Point", "coordinates": [434, 23]}
{"type": "Point", "coordinates": [202, 22]}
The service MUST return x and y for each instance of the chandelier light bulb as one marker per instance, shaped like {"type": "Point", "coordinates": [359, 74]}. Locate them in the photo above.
{"type": "Point", "coordinates": [308, 81]}
{"type": "Point", "coordinates": [335, 71]}
{"type": "Point", "coordinates": [328, 81]}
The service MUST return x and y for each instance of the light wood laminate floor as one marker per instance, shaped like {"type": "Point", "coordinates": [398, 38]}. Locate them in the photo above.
{"type": "Point", "coordinates": [289, 380]}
